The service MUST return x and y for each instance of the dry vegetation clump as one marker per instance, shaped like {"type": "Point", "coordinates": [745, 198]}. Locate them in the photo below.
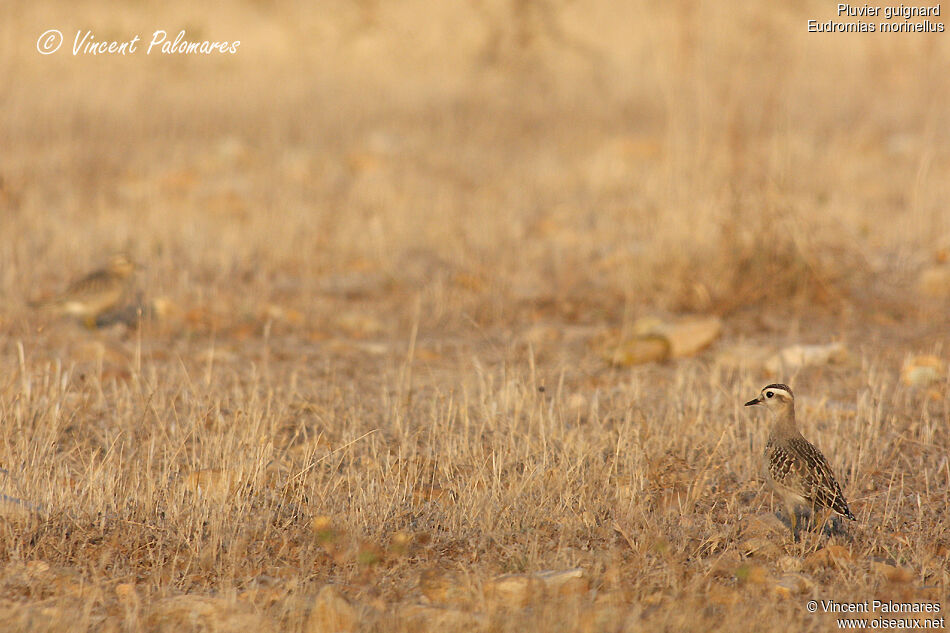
{"type": "Point", "coordinates": [447, 315]}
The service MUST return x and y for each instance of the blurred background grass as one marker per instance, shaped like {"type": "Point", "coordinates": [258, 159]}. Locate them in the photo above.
{"type": "Point", "coordinates": [677, 156]}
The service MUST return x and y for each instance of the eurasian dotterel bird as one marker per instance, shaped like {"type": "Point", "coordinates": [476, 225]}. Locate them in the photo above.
{"type": "Point", "coordinates": [795, 469]}
{"type": "Point", "coordinates": [95, 293]}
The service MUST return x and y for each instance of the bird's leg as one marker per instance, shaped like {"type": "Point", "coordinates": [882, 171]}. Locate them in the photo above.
{"type": "Point", "coordinates": [826, 516]}
{"type": "Point", "coordinates": [793, 519]}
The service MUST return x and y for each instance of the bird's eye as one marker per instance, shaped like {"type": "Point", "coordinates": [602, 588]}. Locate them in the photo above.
{"type": "Point", "coordinates": [769, 394]}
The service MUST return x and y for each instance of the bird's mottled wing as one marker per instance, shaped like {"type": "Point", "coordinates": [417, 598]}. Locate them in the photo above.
{"type": "Point", "coordinates": [781, 466]}
{"type": "Point", "coordinates": [92, 283]}
{"type": "Point", "coordinates": [802, 467]}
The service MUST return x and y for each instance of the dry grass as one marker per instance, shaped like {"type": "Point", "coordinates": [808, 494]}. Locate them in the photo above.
{"type": "Point", "coordinates": [385, 236]}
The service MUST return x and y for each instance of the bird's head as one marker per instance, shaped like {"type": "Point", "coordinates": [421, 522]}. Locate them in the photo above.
{"type": "Point", "coordinates": [121, 265]}
{"type": "Point", "coordinates": [776, 397]}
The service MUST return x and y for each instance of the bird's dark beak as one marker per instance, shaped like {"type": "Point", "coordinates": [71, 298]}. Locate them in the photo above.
{"type": "Point", "coordinates": [752, 402]}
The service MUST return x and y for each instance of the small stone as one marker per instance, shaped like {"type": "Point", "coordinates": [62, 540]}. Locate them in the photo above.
{"type": "Point", "coordinates": [798, 356]}
{"type": "Point", "coordinates": [332, 613]}
{"type": "Point", "coordinates": [163, 308]}
{"type": "Point", "coordinates": [726, 564]}
{"type": "Point", "coordinates": [743, 356]}
{"type": "Point", "coordinates": [725, 596]}
{"type": "Point", "coordinates": [792, 584]}
{"type": "Point", "coordinates": [274, 312]}
{"type": "Point", "coordinates": [830, 556]}
{"type": "Point", "coordinates": [636, 351]}
{"type": "Point", "coordinates": [512, 590]}
{"type": "Point", "coordinates": [204, 613]}
{"type": "Point", "coordinates": [214, 482]}
{"type": "Point", "coordinates": [358, 324]}
{"type": "Point", "coordinates": [430, 618]}
{"type": "Point", "coordinates": [752, 574]}
{"type": "Point", "coordinates": [442, 587]}
{"type": "Point", "coordinates": [424, 493]}
{"type": "Point", "coordinates": [935, 282]}
{"type": "Point", "coordinates": [540, 335]}
{"type": "Point", "coordinates": [577, 402]}
{"type": "Point", "coordinates": [518, 590]}
{"type": "Point", "coordinates": [892, 573]}
{"type": "Point", "coordinates": [922, 371]}
{"type": "Point", "coordinates": [790, 563]}
{"type": "Point", "coordinates": [564, 583]}
{"type": "Point", "coordinates": [603, 616]}
{"type": "Point", "coordinates": [37, 567]}
{"type": "Point", "coordinates": [760, 547]}
{"type": "Point", "coordinates": [126, 594]}
{"type": "Point", "coordinates": [765, 524]}
{"type": "Point", "coordinates": [690, 336]}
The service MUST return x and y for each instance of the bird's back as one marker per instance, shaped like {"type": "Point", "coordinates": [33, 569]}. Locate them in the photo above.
{"type": "Point", "coordinates": [94, 293]}
{"type": "Point", "coordinates": [797, 467]}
